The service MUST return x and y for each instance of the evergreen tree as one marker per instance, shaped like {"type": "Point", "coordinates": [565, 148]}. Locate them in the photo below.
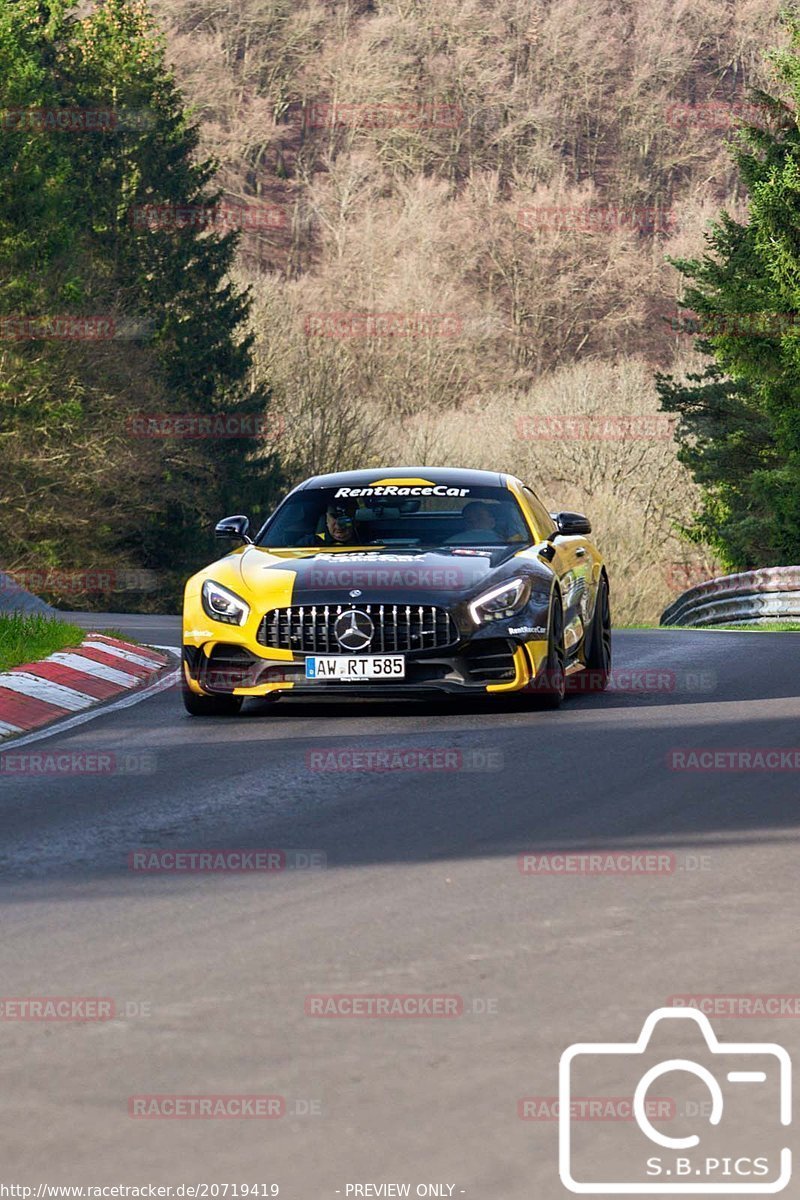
{"type": "Point", "coordinates": [739, 422]}
{"type": "Point", "coordinates": [77, 489]}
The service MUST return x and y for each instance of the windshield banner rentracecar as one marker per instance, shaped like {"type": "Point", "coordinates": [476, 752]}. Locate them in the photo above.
{"type": "Point", "coordinates": [400, 490]}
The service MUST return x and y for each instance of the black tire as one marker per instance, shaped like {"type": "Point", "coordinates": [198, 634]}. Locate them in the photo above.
{"type": "Point", "coordinates": [598, 653]}
{"type": "Point", "coordinates": [549, 688]}
{"type": "Point", "coordinates": [209, 706]}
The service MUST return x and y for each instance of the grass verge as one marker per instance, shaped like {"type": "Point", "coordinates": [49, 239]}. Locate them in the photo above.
{"type": "Point", "coordinates": [751, 626]}
{"type": "Point", "coordinates": [768, 627]}
{"type": "Point", "coordinates": [120, 636]}
{"type": "Point", "coordinates": [27, 638]}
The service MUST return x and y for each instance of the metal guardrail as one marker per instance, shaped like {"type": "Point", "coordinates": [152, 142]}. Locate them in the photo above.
{"type": "Point", "coordinates": [752, 597]}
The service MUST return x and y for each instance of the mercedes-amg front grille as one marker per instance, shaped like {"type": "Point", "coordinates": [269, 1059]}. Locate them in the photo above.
{"type": "Point", "coordinates": [310, 628]}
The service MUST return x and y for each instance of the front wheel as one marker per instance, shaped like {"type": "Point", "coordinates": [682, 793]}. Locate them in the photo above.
{"type": "Point", "coordinates": [598, 653]}
{"type": "Point", "coordinates": [549, 687]}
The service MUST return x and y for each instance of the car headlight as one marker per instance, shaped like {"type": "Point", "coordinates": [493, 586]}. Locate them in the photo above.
{"type": "Point", "coordinates": [222, 605]}
{"type": "Point", "coordinates": [501, 601]}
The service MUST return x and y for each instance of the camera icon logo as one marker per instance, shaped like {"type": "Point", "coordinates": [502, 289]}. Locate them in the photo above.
{"type": "Point", "coordinates": [738, 1100]}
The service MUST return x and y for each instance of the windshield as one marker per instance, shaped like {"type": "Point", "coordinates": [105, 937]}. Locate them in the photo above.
{"type": "Point", "coordinates": [373, 516]}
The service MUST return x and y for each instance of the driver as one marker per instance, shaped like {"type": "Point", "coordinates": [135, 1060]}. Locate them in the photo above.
{"type": "Point", "coordinates": [340, 526]}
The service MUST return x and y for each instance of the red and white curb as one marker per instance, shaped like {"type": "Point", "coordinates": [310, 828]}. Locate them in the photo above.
{"type": "Point", "coordinates": [72, 680]}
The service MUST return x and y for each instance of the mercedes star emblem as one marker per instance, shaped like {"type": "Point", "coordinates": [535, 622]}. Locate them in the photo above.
{"type": "Point", "coordinates": [353, 630]}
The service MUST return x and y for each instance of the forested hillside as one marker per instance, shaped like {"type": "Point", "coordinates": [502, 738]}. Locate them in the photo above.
{"type": "Point", "coordinates": [526, 165]}
{"type": "Point", "coordinates": [455, 218]}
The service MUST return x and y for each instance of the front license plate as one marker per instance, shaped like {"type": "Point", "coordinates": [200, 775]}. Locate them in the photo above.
{"type": "Point", "coordinates": [346, 666]}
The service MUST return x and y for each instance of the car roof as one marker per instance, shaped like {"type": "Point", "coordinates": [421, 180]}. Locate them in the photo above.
{"type": "Point", "coordinates": [452, 476]}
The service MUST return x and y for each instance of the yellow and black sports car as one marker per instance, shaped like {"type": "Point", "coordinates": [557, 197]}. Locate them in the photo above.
{"type": "Point", "coordinates": [399, 581]}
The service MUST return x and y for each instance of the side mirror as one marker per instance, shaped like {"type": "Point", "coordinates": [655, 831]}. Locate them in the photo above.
{"type": "Point", "coordinates": [572, 524]}
{"type": "Point", "coordinates": [235, 529]}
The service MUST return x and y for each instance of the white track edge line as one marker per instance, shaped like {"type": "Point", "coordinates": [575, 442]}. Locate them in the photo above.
{"type": "Point", "coordinates": [99, 710]}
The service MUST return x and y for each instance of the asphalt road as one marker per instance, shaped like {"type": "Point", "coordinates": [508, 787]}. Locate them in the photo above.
{"type": "Point", "coordinates": [422, 894]}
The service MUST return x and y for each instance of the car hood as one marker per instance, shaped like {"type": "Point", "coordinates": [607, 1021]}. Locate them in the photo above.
{"type": "Point", "coordinates": [399, 576]}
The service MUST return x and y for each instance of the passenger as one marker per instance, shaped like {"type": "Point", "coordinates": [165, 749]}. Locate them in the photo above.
{"type": "Point", "coordinates": [478, 516]}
